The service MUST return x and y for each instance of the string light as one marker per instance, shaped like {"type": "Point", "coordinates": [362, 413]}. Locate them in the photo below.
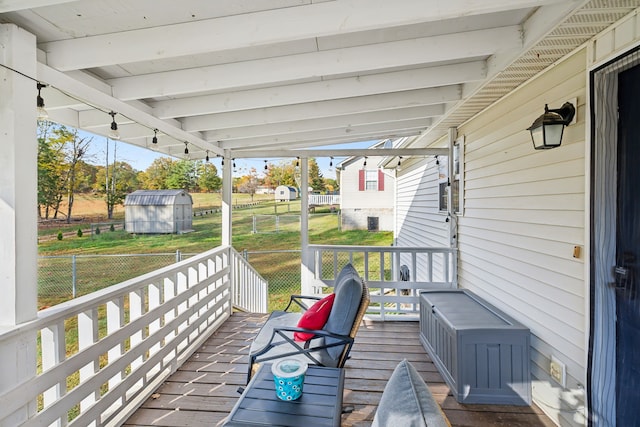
{"type": "Point", "coordinates": [331, 162]}
{"type": "Point", "coordinates": [207, 158]}
{"type": "Point", "coordinates": [42, 113]}
{"type": "Point", "coordinates": [186, 149]}
{"type": "Point", "coordinates": [297, 162]}
{"type": "Point", "coordinates": [365, 161]}
{"type": "Point", "coordinates": [154, 140]}
{"type": "Point", "coordinates": [437, 160]}
{"type": "Point", "coordinates": [113, 133]}
{"type": "Point", "coordinates": [265, 166]}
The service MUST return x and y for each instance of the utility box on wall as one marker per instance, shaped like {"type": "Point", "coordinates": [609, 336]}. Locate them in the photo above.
{"type": "Point", "coordinates": [482, 353]}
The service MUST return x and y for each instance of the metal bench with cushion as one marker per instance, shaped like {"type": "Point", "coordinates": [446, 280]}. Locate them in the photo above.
{"type": "Point", "coordinates": [329, 346]}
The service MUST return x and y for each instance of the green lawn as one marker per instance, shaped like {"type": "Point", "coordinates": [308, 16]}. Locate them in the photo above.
{"type": "Point", "coordinates": [282, 270]}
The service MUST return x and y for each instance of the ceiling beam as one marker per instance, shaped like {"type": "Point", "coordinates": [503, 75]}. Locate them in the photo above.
{"type": "Point", "coordinates": [295, 68]}
{"type": "Point", "coordinates": [397, 81]}
{"type": "Point", "coordinates": [342, 121]}
{"type": "Point", "coordinates": [104, 101]}
{"type": "Point", "coordinates": [261, 28]}
{"type": "Point", "coordinates": [368, 131]}
{"type": "Point", "coordinates": [332, 108]}
{"type": "Point", "coordinates": [13, 5]}
{"type": "Point", "coordinates": [344, 152]}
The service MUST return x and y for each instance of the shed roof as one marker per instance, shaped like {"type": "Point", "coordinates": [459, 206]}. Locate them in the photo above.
{"type": "Point", "coordinates": [156, 198]}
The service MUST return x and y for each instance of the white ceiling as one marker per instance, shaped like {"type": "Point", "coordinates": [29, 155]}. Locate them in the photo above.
{"type": "Point", "coordinates": [260, 77]}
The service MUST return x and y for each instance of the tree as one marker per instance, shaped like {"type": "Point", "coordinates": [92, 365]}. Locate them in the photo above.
{"type": "Point", "coordinates": [208, 179]}
{"type": "Point", "coordinates": [182, 175]}
{"type": "Point", "coordinates": [281, 174]}
{"type": "Point", "coordinates": [249, 183]}
{"type": "Point", "coordinates": [155, 176]}
{"type": "Point", "coordinates": [50, 158]}
{"type": "Point", "coordinates": [115, 183]}
{"type": "Point", "coordinates": [76, 149]}
{"type": "Point", "coordinates": [316, 181]}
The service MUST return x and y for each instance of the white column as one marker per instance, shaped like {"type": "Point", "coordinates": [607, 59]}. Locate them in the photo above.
{"type": "Point", "coordinates": [306, 273]}
{"type": "Point", "coordinates": [227, 192]}
{"type": "Point", "coordinates": [18, 202]}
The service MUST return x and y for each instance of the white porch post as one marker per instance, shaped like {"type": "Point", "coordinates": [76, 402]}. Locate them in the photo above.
{"type": "Point", "coordinates": [307, 265]}
{"type": "Point", "coordinates": [227, 202]}
{"type": "Point", "coordinates": [18, 202]}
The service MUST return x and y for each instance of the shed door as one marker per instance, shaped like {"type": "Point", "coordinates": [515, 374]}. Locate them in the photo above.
{"type": "Point", "coordinates": [628, 250]}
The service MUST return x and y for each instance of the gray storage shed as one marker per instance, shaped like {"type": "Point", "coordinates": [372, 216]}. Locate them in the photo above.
{"type": "Point", "coordinates": [158, 211]}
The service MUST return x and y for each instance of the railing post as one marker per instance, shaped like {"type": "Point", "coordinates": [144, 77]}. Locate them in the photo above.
{"type": "Point", "coordinates": [245, 254]}
{"type": "Point", "coordinates": [178, 256]}
{"type": "Point", "coordinates": [74, 290]}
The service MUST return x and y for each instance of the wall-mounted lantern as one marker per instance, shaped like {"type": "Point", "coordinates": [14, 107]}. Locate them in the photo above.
{"type": "Point", "coordinates": [546, 130]}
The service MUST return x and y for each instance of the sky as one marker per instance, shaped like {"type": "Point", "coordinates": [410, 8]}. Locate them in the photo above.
{"type": "Point", "coordinates": [141, 158]}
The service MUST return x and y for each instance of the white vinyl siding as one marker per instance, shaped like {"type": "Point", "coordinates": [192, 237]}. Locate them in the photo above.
{"type": "Point", "coordinates": [524, 213]}
{"type": "Point", "coordinates": [418, 220]}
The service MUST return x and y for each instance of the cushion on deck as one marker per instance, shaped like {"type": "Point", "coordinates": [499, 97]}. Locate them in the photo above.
{"type": "Point", "coordinates": [345, 307]}
{"type": "Point", "coordinates": [315, 317]}
{"type": "Point", "coordinates": [406, 401]}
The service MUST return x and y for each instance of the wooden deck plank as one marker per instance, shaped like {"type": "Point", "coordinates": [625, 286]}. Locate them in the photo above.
{"type": "Point", "coordinates": [204, 389]}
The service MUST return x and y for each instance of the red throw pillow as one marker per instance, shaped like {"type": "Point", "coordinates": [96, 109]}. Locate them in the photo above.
{"type": "Point", "coordinates": [315, 317]}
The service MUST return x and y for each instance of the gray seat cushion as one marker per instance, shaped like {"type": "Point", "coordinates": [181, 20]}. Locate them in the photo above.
{"type": "Point", "coordinates": [406, 401]}
{"type": "Point", "coordinates": [279, 319]}
{"type": "Point", "coordinates": [345, 307]}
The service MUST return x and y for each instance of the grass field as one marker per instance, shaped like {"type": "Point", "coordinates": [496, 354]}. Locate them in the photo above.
{"type": "Point", "coordinates": [282, 270]}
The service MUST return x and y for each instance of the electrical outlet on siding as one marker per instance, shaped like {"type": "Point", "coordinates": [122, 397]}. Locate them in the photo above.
{"type": "Point", "coordinates": [558, 371]}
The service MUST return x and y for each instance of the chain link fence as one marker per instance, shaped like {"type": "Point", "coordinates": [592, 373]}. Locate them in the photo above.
{"type": "Point", "coordinates": [64, 277]}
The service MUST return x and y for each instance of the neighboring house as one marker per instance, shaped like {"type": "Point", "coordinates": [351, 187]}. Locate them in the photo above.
{"type": "Point", "coordinates": [366, 195]}
{"type": "Point", "coordinates": [285, 193]}
{"type": "Point", "coordinates": [264, 190]}
{"type": "Point", "coordinates": [536, 230]}
{"type": "Point", "coordinates": [158, 211]}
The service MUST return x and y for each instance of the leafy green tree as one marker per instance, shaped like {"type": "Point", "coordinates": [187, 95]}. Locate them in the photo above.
{"type": "Point", "coordinates": [208, 179]}
{"type": "Point", "coordinates": [183, 175]}
{"type": "Point", "coordinates": [283, 173]}
{"type": "Point", "coordinates": [115, 183]}
{"type": "Point", "coordinates": [51, 170]}
{"type": "Point", "coordinates": [156, 175]}
{"type": "Point", "coordinates": [316, 181]}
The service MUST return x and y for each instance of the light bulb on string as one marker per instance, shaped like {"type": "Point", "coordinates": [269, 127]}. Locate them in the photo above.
{"type": "Point", "coordinates": [154, 140]}
{"type": "Point", "coordinates": [265, 166]}
{"type": "Point", "coordinates": [207, 158]}
{"type": "Point", "coordinates": [113, 133]}
{"type": "Point", "coordinates": [186, 148]}
{"type": "Point", "coordinates": [42, 113]}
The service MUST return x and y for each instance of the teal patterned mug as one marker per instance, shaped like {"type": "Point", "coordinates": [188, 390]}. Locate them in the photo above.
{"type": "Point", "coordinates": [288, 375]}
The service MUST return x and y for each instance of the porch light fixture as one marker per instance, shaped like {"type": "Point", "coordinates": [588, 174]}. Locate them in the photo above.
{"type": "Point", "coordinates": [546, 130]}
{"type": "Point", "coordinates": [113, 133]}
{"type": "Point", "coordinates": [154, 140]}
{"type": "Point", "coordinates": [42, 113]}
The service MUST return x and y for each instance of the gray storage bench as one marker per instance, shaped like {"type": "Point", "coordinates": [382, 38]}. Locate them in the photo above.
{"type": "Point", "coordinates": [482, 353]}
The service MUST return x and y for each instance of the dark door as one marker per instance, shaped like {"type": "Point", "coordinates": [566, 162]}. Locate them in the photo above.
{"type": "Point", "coordinates": [627, 269]}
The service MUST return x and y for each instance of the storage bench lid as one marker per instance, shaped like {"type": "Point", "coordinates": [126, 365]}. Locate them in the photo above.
{"type": "Point", "coordinates": [464, 310]}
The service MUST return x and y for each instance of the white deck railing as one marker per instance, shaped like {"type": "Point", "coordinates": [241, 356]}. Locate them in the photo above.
{"type": "Point", "coordinates": [393, 296]}
{"type": "Point", "coordinates": [324, 199]}
{"type": "Point", "coordinates": [101, 355]}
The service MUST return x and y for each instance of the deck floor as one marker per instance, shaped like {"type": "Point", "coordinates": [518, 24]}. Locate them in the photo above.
{"type": "Point", "coordinates": [203, 391]}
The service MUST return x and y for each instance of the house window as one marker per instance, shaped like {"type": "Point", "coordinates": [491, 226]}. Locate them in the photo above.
{"type": "Point", "coordinates": [445, 184]}
{"type": "Point", "coordinates": [371, 180]}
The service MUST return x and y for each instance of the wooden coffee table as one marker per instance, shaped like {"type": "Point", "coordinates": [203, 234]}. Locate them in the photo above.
{"type": "Point", "coordinates": [320, 404]}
